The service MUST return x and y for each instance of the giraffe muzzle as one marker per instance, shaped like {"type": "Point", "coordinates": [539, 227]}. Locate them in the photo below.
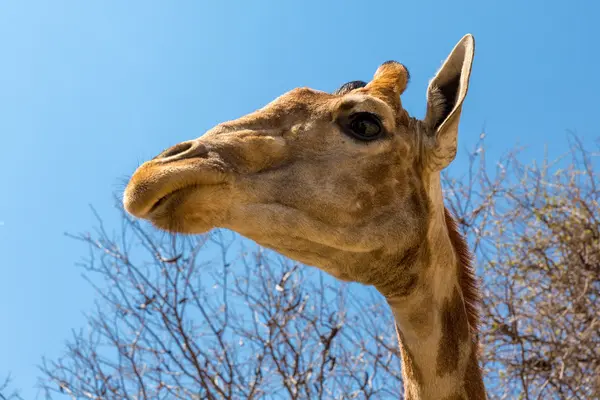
{"type": "Point", "coordinates": [176, 171]}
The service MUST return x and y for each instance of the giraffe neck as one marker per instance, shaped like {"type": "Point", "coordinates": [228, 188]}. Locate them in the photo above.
{"type": "Point", "coordinates": [435, 332]}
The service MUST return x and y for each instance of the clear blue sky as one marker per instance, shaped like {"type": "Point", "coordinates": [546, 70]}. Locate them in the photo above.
{"type": "Point", "coordinates": [89, 89]}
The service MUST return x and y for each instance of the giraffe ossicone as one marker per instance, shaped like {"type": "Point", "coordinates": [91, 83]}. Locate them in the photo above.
{"type": "Point", "coordinates": [347, 182]}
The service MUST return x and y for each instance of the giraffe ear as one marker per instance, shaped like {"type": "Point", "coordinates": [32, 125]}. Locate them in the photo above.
{"type": "Point", "coordinates": [445, 96]}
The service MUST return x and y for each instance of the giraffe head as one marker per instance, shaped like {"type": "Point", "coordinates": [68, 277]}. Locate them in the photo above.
{"type": "Point", "coordinates": [335, 180]}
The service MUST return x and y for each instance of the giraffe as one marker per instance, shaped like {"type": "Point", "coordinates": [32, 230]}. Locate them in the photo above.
{"type": "Point", "coordinates": [347, 182]}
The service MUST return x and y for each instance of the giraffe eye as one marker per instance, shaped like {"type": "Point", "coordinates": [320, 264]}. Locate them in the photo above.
{"type": "Point", "coordinates": [364, 126]}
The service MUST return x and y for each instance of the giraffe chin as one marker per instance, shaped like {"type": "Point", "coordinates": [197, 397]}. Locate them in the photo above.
{"type": "Point", "coordinates": [187, 227]}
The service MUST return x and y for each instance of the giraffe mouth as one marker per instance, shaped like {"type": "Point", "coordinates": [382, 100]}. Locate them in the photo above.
{"type": "Point", "coordinates": [154, 188]}
{"type": "Point", "coordinates": [174, 196]}
{"type": "Point", "coordinates": [163, 200]}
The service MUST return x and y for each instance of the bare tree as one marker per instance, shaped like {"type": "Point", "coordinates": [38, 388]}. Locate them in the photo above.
{"type": "Point", "coordinates": [214, 318]}
{"type": "Point", "coordinates": [173, 323]}
{"type": "Point", "coordinates": [5, 393]}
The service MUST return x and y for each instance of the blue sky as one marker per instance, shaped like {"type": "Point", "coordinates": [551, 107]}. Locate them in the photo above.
{"type": "Point", "coordinates": [89, 89]}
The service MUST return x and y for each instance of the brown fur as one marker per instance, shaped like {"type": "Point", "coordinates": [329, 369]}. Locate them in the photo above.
{"type": "Point", "coordinates": [421, 318]}
{"type": "Point", "coordinates": [455, 331]}
{"type": "Point", "coordinates": [473, 382]}
{"type": "Point", "coordinates": [455, 396]}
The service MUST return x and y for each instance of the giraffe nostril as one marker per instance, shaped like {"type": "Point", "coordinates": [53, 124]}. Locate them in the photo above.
{"type": "Point", "coordinates": [175, 150]}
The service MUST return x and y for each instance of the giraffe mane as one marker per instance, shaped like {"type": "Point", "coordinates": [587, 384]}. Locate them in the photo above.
{"type": "Point", "coordinates": [466, 273]}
